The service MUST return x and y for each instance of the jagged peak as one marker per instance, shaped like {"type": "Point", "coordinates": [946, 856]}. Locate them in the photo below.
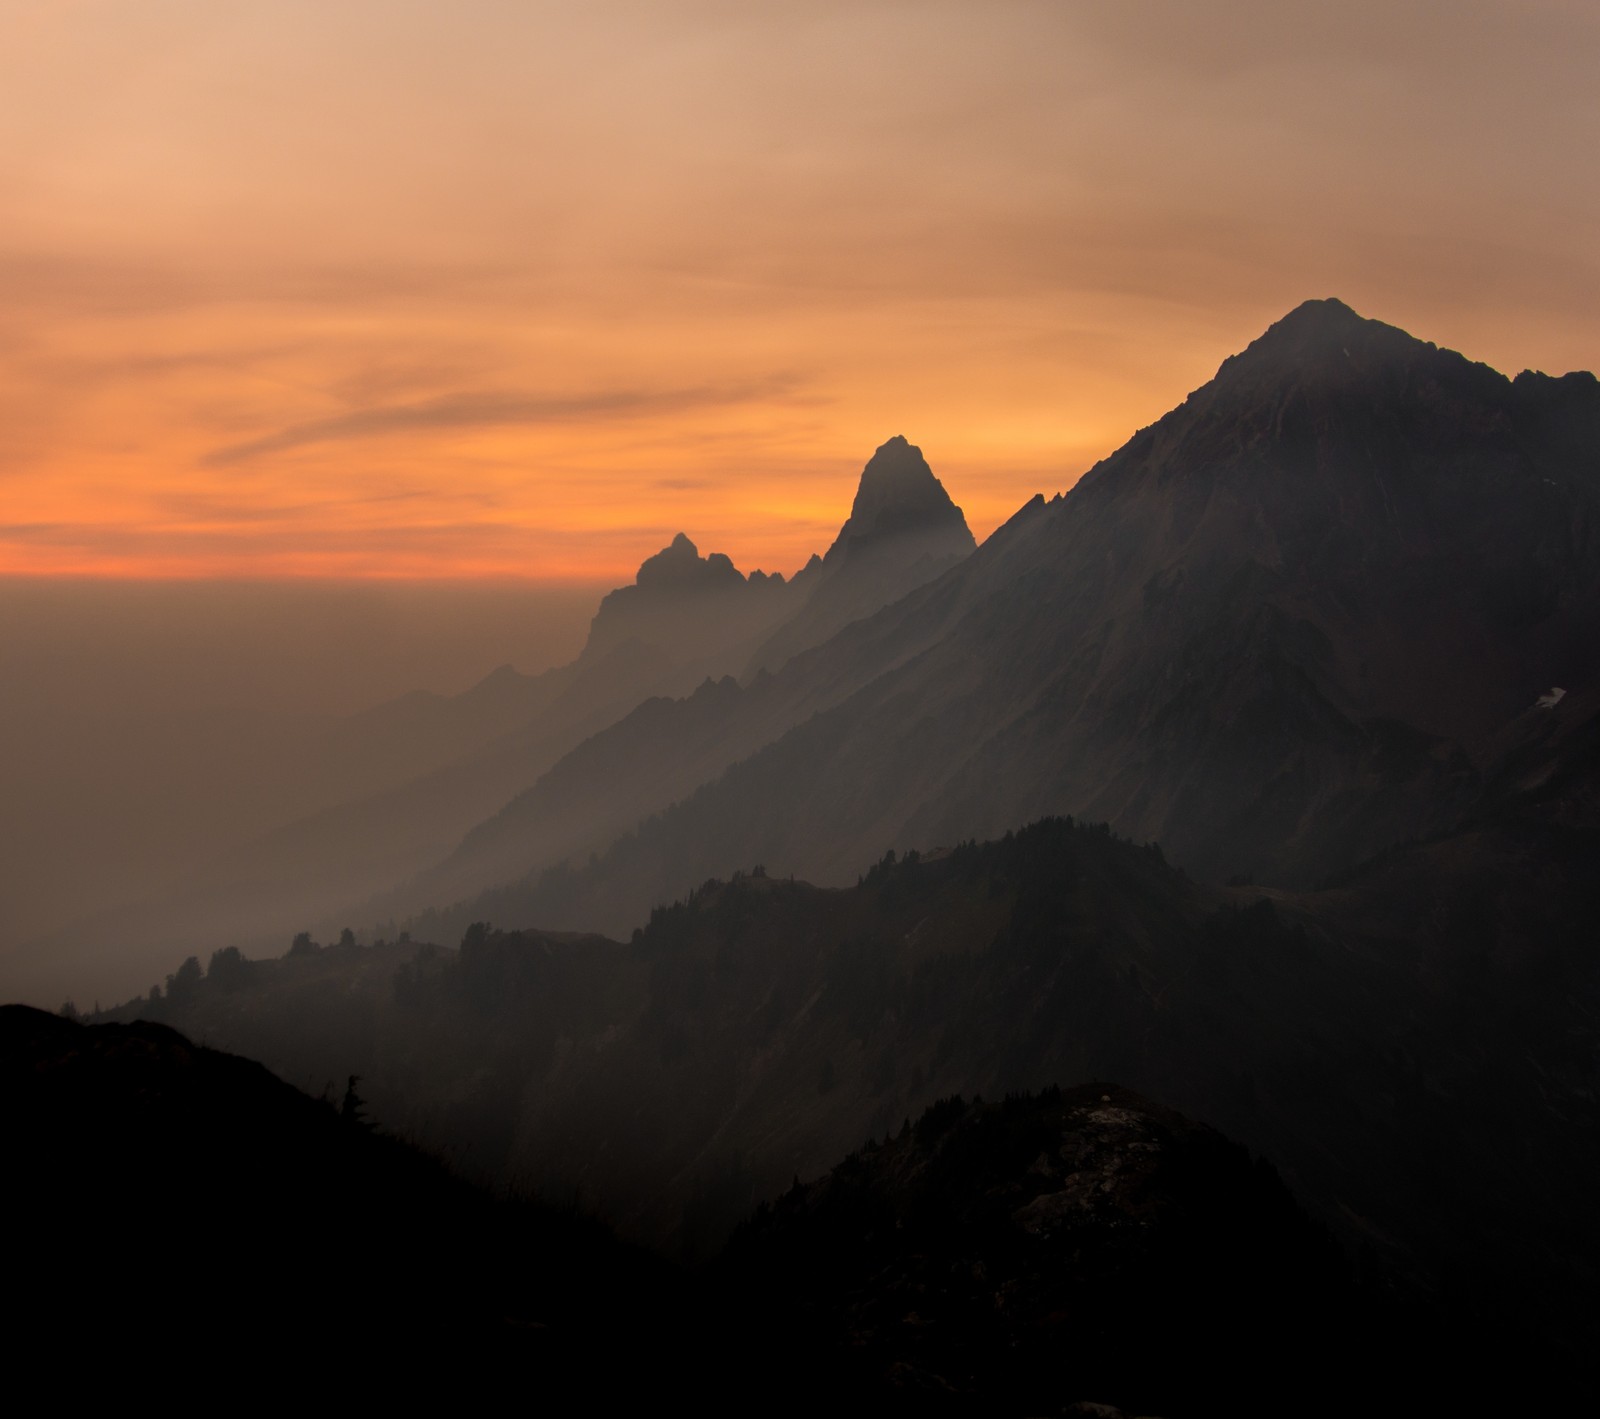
{"type": "Point", "coordinates": [898, 492]}
{"type": "Point", "coordinates": [679, 564]}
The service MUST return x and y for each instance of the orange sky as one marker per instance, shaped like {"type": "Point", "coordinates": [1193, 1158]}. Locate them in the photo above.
{"type": "Point", "coordinates": [502, 287]}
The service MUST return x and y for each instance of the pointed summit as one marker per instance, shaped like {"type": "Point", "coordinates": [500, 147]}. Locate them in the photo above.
{"type": "Point", "coordinates": [1330, 315]}
{"type": "Point", "coordinates": [1326, 325]}
{"type": "Point", "coordinates": [898, 493]}
{"type": "Point", "coordinates": [903, 531]}
{"type": "Point", "coordinates": [1324, 339]}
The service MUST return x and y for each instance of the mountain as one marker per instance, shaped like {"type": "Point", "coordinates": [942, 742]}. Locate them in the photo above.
{"type": "Point", "coordinates": [1278, 631]}
{"type": "Point", "coordinates": [1329, 625]}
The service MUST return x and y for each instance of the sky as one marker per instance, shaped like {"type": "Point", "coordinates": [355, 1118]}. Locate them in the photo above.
{"type": "Point", "coordinates": [509, 289]}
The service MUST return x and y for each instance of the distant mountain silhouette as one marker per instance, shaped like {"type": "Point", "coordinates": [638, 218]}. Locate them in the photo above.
{"type": "Point", "coordinates": [1278, 631]}
{"type": "Point", "coordinates": [689, 607]}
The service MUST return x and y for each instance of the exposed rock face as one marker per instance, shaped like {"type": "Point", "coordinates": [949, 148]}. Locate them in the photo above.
{"type": "Point", "coordinates": [680, 567]}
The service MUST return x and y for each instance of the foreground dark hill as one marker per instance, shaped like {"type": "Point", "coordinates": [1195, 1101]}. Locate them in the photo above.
{"type": "Point", "coordinates": [193, 1214]}
{"type": "Point", "coordinates": [1278, 631]}
{"type": "Point", "coordinates": [175, 1207]}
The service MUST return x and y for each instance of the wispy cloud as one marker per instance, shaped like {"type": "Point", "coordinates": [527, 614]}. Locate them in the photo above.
{"type": "Point", "coordinates": [492, 409]}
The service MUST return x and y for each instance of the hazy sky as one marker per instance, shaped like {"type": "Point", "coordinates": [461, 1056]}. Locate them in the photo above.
{"type": "Point", "coordinates": [421, 289]}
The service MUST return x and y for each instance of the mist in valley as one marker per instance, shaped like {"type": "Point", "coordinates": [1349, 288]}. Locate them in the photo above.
{"type": "Point", "coordinates": [150, 726]}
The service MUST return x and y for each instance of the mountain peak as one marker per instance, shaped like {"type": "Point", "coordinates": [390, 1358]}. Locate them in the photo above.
{"type": "Point", "coordinates": [1328, 313]}
{"type": "Point", "coordinates": [680, 566]}
{"type": "Point", "coordinates": [897, 493]}
{"type": "Point", "coordinates": [1326, 336]}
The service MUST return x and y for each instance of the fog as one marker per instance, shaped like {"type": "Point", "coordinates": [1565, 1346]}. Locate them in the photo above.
{"type": "Point", "coordinates": [150, 725]}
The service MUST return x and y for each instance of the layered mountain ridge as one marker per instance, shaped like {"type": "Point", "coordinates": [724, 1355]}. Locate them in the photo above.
{"type": "Point", "coordinates": [1320, 645]}
{"type": "Point", "coordinates": [255, 1197]}
{"type": "Point", "coordinates": [1278, 631]}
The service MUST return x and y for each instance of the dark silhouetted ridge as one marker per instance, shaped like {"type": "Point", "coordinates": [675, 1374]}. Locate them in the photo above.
{"type": "Point", "coordinates": [188, 1210]}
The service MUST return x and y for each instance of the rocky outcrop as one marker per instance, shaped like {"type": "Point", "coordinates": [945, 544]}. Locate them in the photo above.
{"type": "Point", "coordinates": [1076, 1245]}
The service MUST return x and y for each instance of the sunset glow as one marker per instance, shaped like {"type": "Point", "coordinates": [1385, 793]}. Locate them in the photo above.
{"type": "Point", "coordinates": [521, 289]}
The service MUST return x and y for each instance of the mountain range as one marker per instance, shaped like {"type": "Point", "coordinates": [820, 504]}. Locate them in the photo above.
{"type": "Point", "coordinates": [1257, 772]}
{"type": "Point", "coordinates": [1278, 631]}
{"type": "Point", "coordinates": [1281, 630]}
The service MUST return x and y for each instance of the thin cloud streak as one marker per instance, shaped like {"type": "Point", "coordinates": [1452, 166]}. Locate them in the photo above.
{"type": "Point", "coordinates": [488, 410]}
